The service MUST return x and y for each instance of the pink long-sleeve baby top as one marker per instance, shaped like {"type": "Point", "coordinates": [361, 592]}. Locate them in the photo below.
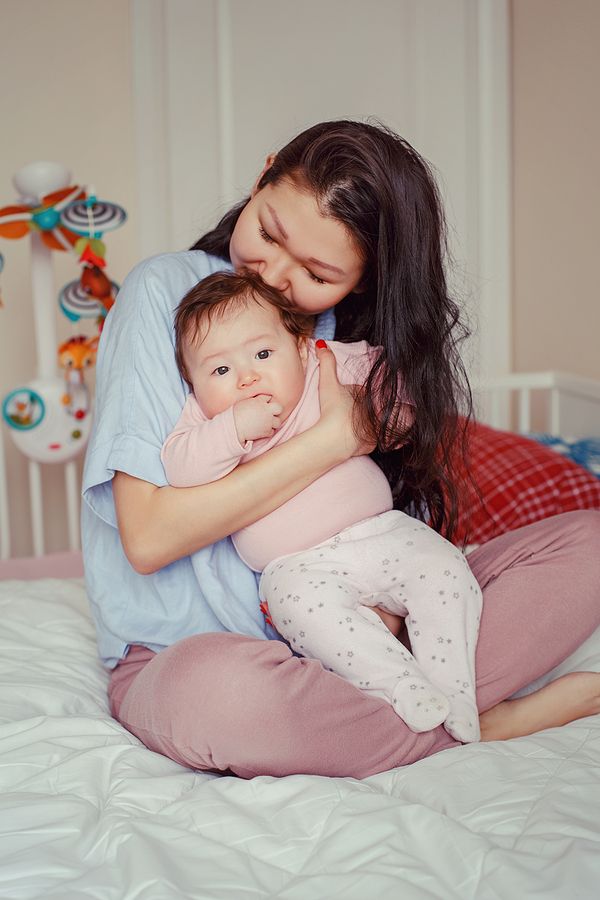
{"type": "Point", "coordinates": [200, 450]}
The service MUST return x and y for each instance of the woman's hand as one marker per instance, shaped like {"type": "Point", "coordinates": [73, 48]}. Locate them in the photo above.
{"type": "Point", "coordinates": [338, 408]}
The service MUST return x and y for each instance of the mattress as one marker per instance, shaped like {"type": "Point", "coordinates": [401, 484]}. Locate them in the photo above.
{"type": "Point", "coordinates": [86, 811]}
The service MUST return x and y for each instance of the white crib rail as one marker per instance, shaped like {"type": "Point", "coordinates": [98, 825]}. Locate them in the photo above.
{"type": "Point", "coordinates": [36, 504]}
{"type": "Point", "coordinates": [571, 403]}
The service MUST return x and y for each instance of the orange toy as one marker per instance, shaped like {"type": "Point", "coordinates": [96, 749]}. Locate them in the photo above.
{"type": "Point", "coordinates": [74, 356]}
{"type": "Point", "coordinates": [18, 220]}
{"type": "Point", "coordinates": [78, 353]}
{"type": "Point", "coordinates": [94, 282]}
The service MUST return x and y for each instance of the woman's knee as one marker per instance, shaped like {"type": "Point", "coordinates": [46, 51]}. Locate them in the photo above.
{"type": "Point", "coordinates": [573, 539]}
{"type": "Point", "coordinates": [196, 700]}
{"type": "Point", "coordinates": [213, 665]}
{"type": "Point", "coordinates": [583, 533]}
{"type": "Point", "coordinates": [583, 525]}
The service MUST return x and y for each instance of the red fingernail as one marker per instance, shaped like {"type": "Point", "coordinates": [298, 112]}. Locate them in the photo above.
{"type": "Point", "coordinates": [321, 344]}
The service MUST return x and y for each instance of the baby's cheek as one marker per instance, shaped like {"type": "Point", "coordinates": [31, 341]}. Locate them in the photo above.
{"type": "Point", "coordinates": [213, 399]}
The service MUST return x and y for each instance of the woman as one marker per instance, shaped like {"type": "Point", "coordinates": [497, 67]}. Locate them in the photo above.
{"type": "Point", "coordinates": [346, 216]}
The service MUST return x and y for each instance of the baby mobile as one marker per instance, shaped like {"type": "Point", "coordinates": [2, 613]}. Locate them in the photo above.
{"type": "Point", "coordinates": [50, 416]}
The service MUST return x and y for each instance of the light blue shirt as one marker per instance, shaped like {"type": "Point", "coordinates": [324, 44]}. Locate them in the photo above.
{"type": "Point", "coordinates": [139, 396]}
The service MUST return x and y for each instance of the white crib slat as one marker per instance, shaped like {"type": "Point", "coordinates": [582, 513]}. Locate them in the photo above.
{"type": "Point", "coordinates": [4, 521]}
{"type": "Point", "coordinates": [524, 410]}
{"type": "Point", "coordinates": [555, 424]}
{"type": "Point", "coordinates": [495, 413]}
{"type": "Point", "coordinates": [72, 504]}
{"type": "Point", "coordinates": [37, 513]}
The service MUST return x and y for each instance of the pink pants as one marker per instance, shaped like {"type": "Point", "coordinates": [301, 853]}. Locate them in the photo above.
{"type": "Point", "coordinates": [230, 703]}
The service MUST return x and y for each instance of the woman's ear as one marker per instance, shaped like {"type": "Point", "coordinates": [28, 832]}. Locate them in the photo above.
{"type": "Point", "coordinates": [268, 163]}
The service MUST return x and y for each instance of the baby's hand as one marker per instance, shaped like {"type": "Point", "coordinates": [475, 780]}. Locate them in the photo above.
{"type": "Point", "coordinates": [256, 417]}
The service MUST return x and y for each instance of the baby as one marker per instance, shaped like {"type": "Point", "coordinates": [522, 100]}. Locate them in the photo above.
{"type": "Point", "coordinates": [338, 548]}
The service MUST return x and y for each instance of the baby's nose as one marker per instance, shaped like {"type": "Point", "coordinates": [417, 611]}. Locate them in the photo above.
{"type": "Point", "coordinates": [248, 378]}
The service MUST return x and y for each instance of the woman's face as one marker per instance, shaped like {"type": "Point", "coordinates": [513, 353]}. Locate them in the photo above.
{"type": "Point", "coordinates": [310, 258]}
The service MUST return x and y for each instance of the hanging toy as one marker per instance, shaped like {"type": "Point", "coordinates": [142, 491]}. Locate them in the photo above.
{"type": "Point", "coordinates": [90, 218]}
{"type": "Point", "coordinates": [89, 298]}
{"type": "Point", "coordinates": [50, 417]}
{"type": "Point", "coordinates": [75, 356]}
{"type": "Point", "coordinates": [41, 426]}
{"type": "Point", "coordinates": [41, 215]}
{"type": "Point", "coordinates": [23, 409]}
{"type": "Point", "coordinates": [95, 284]}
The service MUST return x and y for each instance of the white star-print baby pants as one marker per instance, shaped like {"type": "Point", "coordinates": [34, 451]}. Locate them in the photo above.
{"type": "Point", "coordinates": [319, 601]}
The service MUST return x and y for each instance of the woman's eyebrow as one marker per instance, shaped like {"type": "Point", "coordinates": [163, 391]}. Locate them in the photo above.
{"type": "Point", "coordinates": [324, 265]}
{"type": "Point", "coordinates": [277, 221]}
{"type": "Point", "coordinates": [311, 259]}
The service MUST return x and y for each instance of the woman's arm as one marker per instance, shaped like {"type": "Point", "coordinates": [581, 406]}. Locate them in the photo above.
{"type": "Point", "coordinates": [160, 525]}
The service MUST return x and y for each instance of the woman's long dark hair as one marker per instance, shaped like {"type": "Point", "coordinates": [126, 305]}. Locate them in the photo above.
{"type": "Point", "coordinates": [376, 184]}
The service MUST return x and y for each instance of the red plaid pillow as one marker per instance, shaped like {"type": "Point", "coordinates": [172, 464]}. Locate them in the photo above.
{"type": "Point", "coordinates": [520, 481]}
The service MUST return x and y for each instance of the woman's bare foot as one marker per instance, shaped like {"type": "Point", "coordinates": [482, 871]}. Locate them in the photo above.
{"type": "Point", "coordinates": [568, 698]}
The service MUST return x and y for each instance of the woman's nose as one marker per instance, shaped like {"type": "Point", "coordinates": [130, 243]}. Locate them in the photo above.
{"type": "Point", "coordinates": [275, 273]}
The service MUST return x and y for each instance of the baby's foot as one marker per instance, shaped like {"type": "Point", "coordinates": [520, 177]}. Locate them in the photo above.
{"type": "Point", "coordinates": [422, 706]}
{"type": "Point", "coordinates": [463, 721]}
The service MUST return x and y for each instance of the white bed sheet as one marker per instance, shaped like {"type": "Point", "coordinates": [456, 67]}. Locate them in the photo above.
{"type": "Point", "coordinates": [87, 811]}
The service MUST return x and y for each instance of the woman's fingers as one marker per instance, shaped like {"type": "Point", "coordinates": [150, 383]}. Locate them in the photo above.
{"type": "Point", "coordinates": [338, 404]}
{"type": "Point", "coordinates": [332, 394]}
{"type": "Point", "coordinates": [328, 380]}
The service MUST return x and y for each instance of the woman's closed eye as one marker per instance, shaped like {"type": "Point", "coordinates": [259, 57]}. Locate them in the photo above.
{"type": "Point", "coordinates": [266, 237]}
{"type": "Point", "coordinates": [316, 277]}
{"type": "Point", "coordinates": [270, 240]}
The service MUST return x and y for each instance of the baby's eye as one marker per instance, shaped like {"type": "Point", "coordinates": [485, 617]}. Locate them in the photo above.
{"type": "Point", "coordinates": [266, 237]}
{"type": "Point", "coordinates": [221, 370]}
{"type": "Point", "coordinates": [263, 354]}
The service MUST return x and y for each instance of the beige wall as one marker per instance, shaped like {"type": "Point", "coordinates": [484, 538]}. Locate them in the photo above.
{"type": "Point", "coordinates": [556, 140]}
{"type": "Point", "coordinates": [66, 95]}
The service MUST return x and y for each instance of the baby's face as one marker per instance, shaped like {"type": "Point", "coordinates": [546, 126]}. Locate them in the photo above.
{"type": "Point", "coordinates": [245, 354]}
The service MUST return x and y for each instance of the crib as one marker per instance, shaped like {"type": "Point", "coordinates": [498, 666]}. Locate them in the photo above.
{"type": "Point", "coordinates": [549, 402]}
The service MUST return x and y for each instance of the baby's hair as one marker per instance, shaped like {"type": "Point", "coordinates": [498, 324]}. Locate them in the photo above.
{"type": "Point", "coordinates": [223, 291]}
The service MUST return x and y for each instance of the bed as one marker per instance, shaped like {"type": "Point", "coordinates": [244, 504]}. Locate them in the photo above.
{"type": "Point", "coordinates": [87, 811]}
